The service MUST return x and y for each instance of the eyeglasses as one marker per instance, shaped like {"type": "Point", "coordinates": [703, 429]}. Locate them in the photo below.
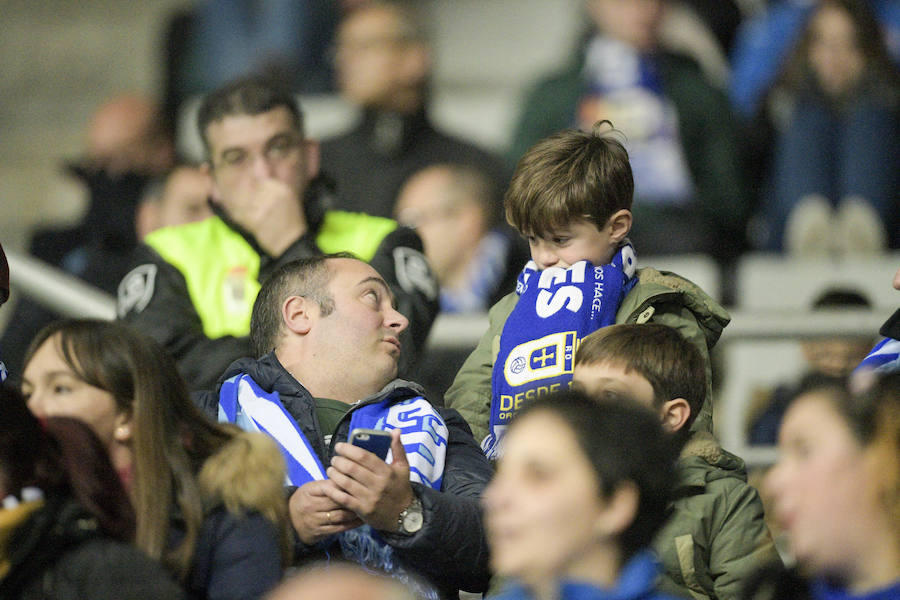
{"type": "Point", "coordinates": [277, 149]}
{"type": "Point", "coordinates": [351, 47]}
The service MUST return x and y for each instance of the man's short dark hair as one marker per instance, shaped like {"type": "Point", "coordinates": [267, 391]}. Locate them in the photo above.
{"type": "Point", "coordinates": [466, 184]}
{"type": "Point", "coordinates": [658, 353]}
{"type": "Point", "coordinates": [567, 177]}
{"type": "Point", "coordinates": [411, 23]}
{"type": "Point", "coordinates": [306, 277]}
{"type": "Point", "coordinates": [624, 442]}
{"type": "Point", "coordinates": [249, 96]}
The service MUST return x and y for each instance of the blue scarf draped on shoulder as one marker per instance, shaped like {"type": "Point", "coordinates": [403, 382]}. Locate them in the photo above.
{"type": "Point", "coordinates": [423, 433]}
{"type": "Point", "coordinates": [884, 357]}
{"type": "Point", "coordinates": [556, 309]}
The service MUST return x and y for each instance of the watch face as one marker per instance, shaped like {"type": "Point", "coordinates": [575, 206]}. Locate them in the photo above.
{"type": "Point", "coordinates": [412, 522]}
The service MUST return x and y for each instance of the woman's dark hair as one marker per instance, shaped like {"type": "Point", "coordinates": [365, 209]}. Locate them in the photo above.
{"type": "Point", "coordinates": [63, 458]}
{"type": "Point", "coordinates": [867, 413]}
{"type": "Point", "coordinates": [873, 412]}
{"type": "Point", "coordinates": [21, 442]}
{"type": "Point", "coordinates": [170, 439]}
{"type": "Point", "coordinates": [878, 63]}
{"type": "Point", "coordinates": [624, 442]}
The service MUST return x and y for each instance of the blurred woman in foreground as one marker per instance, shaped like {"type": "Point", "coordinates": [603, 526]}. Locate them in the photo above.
{"type": "Point", "coordinates": [836, 489]}
{"type": "Point", "coordinates": [579, 493]}
{"type": "Point", "coordinates": [66, 525]}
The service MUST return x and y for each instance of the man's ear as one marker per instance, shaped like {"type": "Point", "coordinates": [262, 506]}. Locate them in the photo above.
{"type": "Point", "coordinates": [620, 225]}
{"type": "Point", "coordinates": [312, 157]}
{"type": "Point", "coordinates": [295, 312]}
{"type": "Point", "coordinates": [415, 64]}
{"type": "Point", "coordinates": [206, 167]}
{"type": "Point", "coordinates": [674, 414]}
{"type": "Point", "coordinates": [620, 511]}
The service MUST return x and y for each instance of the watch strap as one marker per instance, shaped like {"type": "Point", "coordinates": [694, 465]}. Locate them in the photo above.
{"type": "Point", "coordinates": [415, 507]}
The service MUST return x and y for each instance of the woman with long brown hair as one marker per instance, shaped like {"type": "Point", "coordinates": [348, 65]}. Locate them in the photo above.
{"type": "Point", "coordinates": [835, 173]}
{"type": "Point", "coordinates": [208, 499]}
{"type": "Point", "coordinates": [66, 524]}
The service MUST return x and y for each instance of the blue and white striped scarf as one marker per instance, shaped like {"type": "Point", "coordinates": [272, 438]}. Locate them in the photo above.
{"type": "Point", "coordinates": [556, 309]}
{"type": "Point", "coordinates": [423, 433]}
{"type": "Point", "coordinates": [883, 358]}
{"type": "Point", "coordinates": [482, 277]}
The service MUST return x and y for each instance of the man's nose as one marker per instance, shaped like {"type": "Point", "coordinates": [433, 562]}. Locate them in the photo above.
{"type": "Point", "coordinates": [396, 321]}
{"type": "Point", "coordinates": [262, 168]}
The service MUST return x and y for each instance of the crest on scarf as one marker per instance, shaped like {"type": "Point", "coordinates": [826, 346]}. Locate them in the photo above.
{"type": "Point", "coordinates": [556, 308]}
{"type": "Point", "coordinates": [548, 356]}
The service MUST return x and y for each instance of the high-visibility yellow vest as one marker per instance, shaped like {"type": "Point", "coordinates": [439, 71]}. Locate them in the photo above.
{"type": "Point", "coordinates": [221, 268]}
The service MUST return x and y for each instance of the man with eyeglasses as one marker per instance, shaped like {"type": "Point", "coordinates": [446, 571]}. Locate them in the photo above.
{"type": "Point", "coordinates": [194, 287]}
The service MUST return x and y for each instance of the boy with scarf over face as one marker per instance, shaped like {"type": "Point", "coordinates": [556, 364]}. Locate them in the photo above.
{"type": "Point", "coordinates": [570, 196]}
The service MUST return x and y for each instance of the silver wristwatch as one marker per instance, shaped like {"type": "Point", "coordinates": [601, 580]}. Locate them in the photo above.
{"type": "Point", "coordinates": [411, 519]}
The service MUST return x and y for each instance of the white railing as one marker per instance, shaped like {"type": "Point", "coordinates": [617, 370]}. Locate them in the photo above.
{"type": "Point", "coordinates": [71, 297]}
{"type": "Point", "coordinates": [57, 290]}
{"type": "Point", "coordinates": [784, 326]}
{"type": "Point", "coordinates": [453, 331]}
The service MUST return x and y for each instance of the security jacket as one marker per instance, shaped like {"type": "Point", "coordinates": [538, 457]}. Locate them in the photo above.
{"type": "Point", "coordinates": [195, 284]}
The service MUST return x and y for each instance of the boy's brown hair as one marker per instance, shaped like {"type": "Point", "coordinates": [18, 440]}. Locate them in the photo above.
{"type": "Point", "coordinates": [567, 177]}
{"type": "Point", "coordinates": [658, 353]}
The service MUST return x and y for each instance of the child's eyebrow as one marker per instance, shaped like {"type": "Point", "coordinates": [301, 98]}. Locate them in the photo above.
{"type": "Point", "coordinates": [552, 233]}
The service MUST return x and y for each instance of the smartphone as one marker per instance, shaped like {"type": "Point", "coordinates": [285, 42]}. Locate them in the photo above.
{"type": "Point", "coordinates": [374, 440]}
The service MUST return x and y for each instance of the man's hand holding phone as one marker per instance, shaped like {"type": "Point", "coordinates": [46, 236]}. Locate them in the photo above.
{"type": "Point", "coordinates": [365, 484]}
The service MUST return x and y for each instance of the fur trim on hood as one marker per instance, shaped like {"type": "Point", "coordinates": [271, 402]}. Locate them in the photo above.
{"type": "Point", "coordinates": [704, 445]}
{"type": "Point", "coordinates": [248, 474]}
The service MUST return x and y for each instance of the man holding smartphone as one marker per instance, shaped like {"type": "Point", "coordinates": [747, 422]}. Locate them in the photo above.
{"type": "Point", "coordinates": [327, 334]}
